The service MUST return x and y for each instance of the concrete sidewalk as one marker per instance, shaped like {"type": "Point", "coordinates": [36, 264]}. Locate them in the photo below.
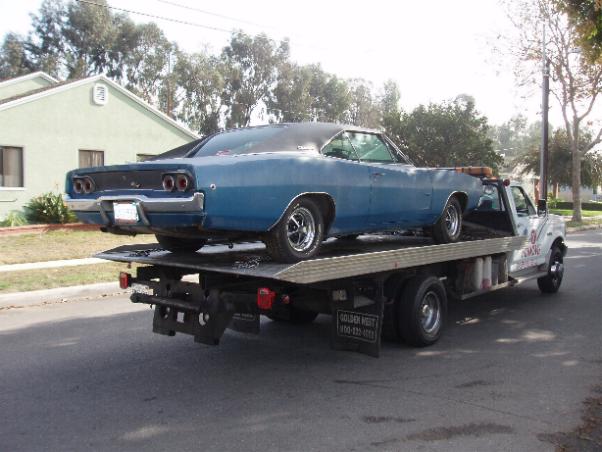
{"type": "Point", "coordinates": [51, 264]}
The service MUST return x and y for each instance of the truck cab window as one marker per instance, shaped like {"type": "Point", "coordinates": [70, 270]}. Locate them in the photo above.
{"type": "Point", "coordinates": [522, 203]}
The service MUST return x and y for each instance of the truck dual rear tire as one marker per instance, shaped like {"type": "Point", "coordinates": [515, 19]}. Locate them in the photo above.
{"type": "Point", "coordinates": [421, 311]}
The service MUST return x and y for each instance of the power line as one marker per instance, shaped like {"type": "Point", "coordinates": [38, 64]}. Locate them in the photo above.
{"type": "Point", "coordinates": [154, 16]}
{"type": "Point", "coordinates": [221, 16]}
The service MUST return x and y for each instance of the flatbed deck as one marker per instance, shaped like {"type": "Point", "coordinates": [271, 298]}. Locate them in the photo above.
{"type": "Point", "coordinates": [338, 259]}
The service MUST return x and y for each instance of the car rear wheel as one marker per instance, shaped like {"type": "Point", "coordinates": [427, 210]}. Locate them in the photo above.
{"type": "Point", "coordinates": [177, 244]}
{"type": "Point", "coordinates": [449, 226]}
{"type": "Point", "coordinates": [298, 234]}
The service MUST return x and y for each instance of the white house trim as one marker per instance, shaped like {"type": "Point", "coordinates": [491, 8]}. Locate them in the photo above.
{"type": "Point", "coordinates": [24, 78]}
{"type": "Point", "coordinates": [96, 78]}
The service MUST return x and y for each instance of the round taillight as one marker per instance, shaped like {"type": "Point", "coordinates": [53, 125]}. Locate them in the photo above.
{"type": "Point", "coordinates": [168, 182]}
{"type": "Point", "coordinates": [78, 186]}
{"type": "Point", "coordinates": [182, 182]}
{"type": "Point", "coordinates": [88, 185]}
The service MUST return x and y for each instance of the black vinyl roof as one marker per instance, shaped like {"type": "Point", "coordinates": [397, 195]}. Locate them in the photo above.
{"type": "Point", "coordinates": [302, 136]}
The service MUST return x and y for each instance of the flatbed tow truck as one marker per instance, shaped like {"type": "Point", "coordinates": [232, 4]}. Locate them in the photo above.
{"type": "Point", "coordinates": [391, 286]}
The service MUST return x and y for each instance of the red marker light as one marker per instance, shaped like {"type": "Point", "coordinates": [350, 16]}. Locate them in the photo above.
{"type": "Point", "coordinates": [125, 280]}
{"type": "Point", "coordinates": [182, 182]}
{"type": "Point", "coordinates": [265, 298]}
{"type": "Point", "coordinates": [506, 182]}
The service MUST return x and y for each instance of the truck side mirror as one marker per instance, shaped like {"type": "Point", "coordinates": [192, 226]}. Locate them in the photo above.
{"type": "Point", "coordinates": [542, 206]}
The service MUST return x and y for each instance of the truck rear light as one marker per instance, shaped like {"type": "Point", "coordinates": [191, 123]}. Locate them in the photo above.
{"type": "Point", "coordinates": [125, 280]}
{"type": "Point", "coordinates": [265, 298]}
{"type": "Point", "coordinates": [169, 183]}
{"type": "Point", "coordinates": [182, 182]}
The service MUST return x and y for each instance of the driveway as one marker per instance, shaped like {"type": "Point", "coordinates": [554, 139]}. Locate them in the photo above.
{"type": "Point", "coordinates": [511, 370]}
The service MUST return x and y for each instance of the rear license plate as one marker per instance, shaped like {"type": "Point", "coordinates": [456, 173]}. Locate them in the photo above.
{"type": "Point", "coordinates": [125, 212]}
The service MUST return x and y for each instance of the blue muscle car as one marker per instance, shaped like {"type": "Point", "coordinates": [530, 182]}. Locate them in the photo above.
{"type": "Point", "coordinates": [290, 185]}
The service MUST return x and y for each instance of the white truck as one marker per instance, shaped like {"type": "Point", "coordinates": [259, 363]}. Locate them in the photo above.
{"type": "Point", "coordinates": [392, 286]}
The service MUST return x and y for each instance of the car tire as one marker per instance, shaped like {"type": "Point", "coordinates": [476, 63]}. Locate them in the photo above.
{"type": "Point", "coordinates": [177, 244]}
{"type": "Point", "coordinates": [551, 282]}
{"type": "Point", "coordinates": [421, 311]}
{"type": "Point", "coordinates": [295, 316]}
{"type": "Point", "coordinates": [298, 234]}
{"type": "Point", "coordinates": [449, 226]}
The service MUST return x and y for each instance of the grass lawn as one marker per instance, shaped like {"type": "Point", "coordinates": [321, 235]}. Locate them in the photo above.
{"type": "Point", "coordinates": [60, 277]}
{"type": "Point", "coordinates": [55, 245]}
{"type": "Point", "coordinates": [584, 213]}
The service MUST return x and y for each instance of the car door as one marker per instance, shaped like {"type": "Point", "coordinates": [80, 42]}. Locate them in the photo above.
{"type": "Point", "coordinates": [528, 224]}
{"type": "Point", "coordinates": [400, 194]}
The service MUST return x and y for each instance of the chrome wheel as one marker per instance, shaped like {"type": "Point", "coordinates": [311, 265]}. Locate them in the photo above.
{"type": "Point", "coordinates": [452, 220]}
{"type": "Point", "coordinates": [430, 312]}
{"type": "Point", "coordinates": [301, 229]}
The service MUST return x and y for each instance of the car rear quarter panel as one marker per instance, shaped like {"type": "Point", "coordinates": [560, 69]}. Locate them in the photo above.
{"type": "Point", "coordinates": [251, 192]}
{"type": "Point", "coordinates": [446, 182]}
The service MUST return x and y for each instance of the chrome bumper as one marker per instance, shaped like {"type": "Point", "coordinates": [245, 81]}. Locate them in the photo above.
{"type": "Point", "coordinates": [144, 205]}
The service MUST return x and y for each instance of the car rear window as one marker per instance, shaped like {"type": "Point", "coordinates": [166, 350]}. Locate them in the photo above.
{"type": "Point", "coordinates": [243, 141]}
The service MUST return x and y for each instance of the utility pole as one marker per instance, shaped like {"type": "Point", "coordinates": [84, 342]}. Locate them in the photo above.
{"type": "Point", "coordinates": [544, 156]}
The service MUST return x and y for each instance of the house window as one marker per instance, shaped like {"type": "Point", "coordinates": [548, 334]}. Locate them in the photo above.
{"type": "Point", "coordinates": [11, 166]}
{"type": "Point", "coordinates": [144, 157]}
{"type": "Point", "coordinates": [91, 158]}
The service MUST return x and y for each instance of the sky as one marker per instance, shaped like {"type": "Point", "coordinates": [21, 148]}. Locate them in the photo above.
{"type": "Point", "coordinates": [434, 50]}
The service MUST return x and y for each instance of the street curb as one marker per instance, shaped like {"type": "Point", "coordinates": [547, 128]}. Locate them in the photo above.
{"type": "Point", "coordinates": [590, 227]}
{"type": "Point", "coordinates": [37, 297]}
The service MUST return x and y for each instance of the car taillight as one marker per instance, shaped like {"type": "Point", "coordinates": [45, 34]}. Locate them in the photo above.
{"type": "Point", "coordinates": [182, 182]}
{"type": "Point", "coordinates": [88, 185]}
{"type": "Point", "coordinates": [78, 186]}
{"type": "Point", "coordinates": [169, 183]}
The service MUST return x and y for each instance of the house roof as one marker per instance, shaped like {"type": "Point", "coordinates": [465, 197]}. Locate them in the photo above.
{"type": "Point", "coordinates": [23, 78]}
{"type": "Point", "coordinates": [36, 94]}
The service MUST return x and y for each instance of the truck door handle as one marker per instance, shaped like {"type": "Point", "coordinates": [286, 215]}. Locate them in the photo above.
{"type": "Point", "coordinates": [375, 175]}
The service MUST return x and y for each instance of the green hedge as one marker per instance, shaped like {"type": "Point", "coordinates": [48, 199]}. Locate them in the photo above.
{"type": "Point", "coordinates": [584, 205]}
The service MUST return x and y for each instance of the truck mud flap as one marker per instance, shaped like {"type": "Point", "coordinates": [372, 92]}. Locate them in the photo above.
{"type": "Point", "coordinates": [357, 320]}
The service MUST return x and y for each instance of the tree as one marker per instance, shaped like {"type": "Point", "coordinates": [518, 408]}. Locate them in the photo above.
{"type": "Point", "coordinates": [515, 138]}
{"type": "Point", "coordinates": [199, 79]}
{"type": "Point", "coordinates": [447, 134]}
{"type": "Point", "coordinates": [45, 43]}
{"type": "Point", "coordinates": [586, 16]}
{"type": "Point", "coordinates": [14, 60]}
{"type": "Point", "coordinates": [363, 109]}
{"type": "Point", "coordinates": [146, 59]}
{"type": "Point", "coordinates": [560, 161]}
{"type": "Point", "coordinates": [575, 82]}
{"type": "Point", "coordinates": [292, 99]}
{"type": "Point", "coordinates": [251, 63]}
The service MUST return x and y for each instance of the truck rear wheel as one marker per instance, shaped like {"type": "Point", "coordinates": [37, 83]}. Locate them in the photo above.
{"type": "Point", "coordinates": [421, 311]}
{"type": "Point", "coordinates": [551, 282]}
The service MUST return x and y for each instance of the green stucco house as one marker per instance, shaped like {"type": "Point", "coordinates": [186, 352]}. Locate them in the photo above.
{"type": "Point", "coordinates": [49, 127]}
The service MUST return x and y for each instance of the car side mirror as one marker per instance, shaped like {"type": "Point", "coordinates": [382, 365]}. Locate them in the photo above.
{"type": "Point", "coordinates": [542, 207]}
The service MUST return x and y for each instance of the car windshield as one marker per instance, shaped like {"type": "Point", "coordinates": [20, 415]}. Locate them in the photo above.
{"type": "Point", "coordinates": [241, 141]}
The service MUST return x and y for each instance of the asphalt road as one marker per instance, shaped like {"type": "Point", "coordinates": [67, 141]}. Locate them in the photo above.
{"type": "Point", "coordinates": [512, 369]}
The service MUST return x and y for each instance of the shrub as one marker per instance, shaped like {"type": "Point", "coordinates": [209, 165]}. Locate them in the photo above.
{"type": "Point", "coordinates": [14, 218]}
{"type": "Point", "coordinates": [48, 208]}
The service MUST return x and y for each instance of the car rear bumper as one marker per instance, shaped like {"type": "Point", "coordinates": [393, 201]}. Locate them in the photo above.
{"type": "Point", "coordinates": [151, 211]}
